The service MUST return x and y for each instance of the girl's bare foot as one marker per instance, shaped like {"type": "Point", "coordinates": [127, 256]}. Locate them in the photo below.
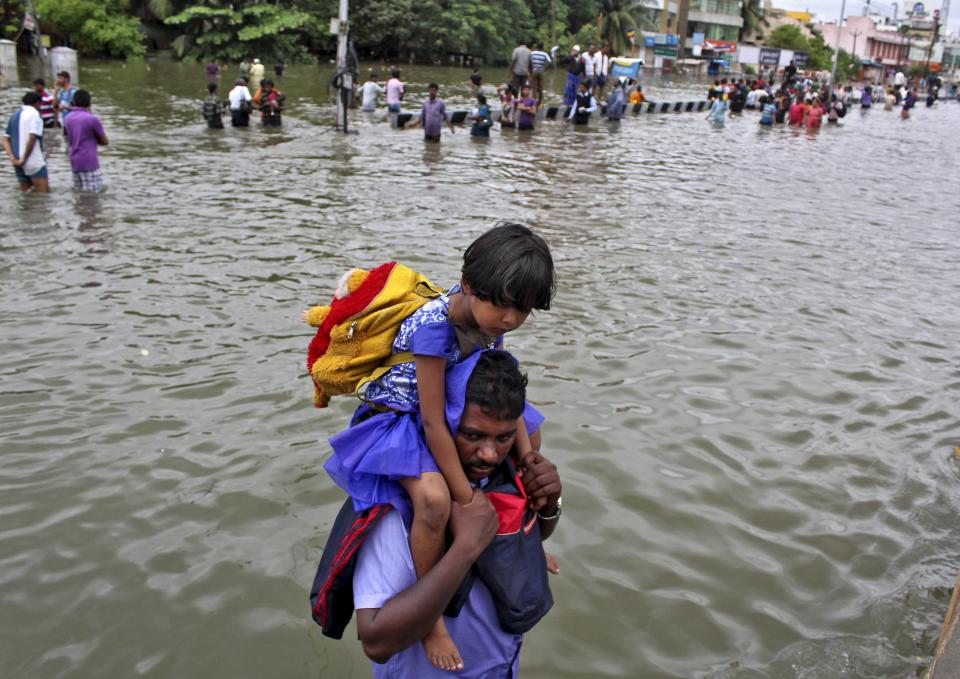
{"type": "Point", "coordinates": [553, 566]}
{"type": "Point", "coordinates": [440, 649]}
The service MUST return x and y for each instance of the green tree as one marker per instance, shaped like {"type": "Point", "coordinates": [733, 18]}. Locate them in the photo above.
{"type": "Point", "coordinates": [792, 38]}
{"type": "Point", "coordinates": [619, 17]}
{"type": "Point", "coordinates": [788, 37]}
{"type": "Point", "coordinates": [95, 26]}
{"type": "Point", "coordinates": [581, 12]}
{"type": "Point", "coordinates": [589, 34]}
{"type": "Point", "coordinates": [225, 30]}
{"type": "Point", "coordinates": [821, 54]}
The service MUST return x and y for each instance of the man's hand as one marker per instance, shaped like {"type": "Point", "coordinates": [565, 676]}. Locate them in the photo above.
{"type": "Point", "coordinates": [541, 481]}
{"type": "Point", "coordinates": [17, 163]}
{"type": "Point", "coordinates": [474, 524]}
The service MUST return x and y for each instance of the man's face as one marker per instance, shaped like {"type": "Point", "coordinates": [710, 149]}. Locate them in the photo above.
{"type": "Point", "coordinates": [61, 81]}
{"type": "Point", "coordinates": [483, 441]}
{"type": "Point", "coordinates": [433, 92]}
{"type": "Point", "coordinates": [38, 88]}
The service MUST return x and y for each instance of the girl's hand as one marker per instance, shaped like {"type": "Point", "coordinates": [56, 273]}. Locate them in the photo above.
{"type": "Point", "coordinates": [304, 314]}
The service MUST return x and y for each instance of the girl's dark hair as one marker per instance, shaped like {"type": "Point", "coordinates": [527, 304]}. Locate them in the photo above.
{"type": "Point", "coordinates": [497, 386]}
{"type": "Point", "coordinates": [510, 266]}
{"type": "Point", "coordinates": [482, 99]}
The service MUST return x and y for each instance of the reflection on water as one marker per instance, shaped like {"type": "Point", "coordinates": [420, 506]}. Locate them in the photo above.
{"type": "Point", "coordinates": [750, 377]}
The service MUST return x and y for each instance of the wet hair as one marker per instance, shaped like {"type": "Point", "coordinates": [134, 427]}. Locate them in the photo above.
{"type": "Point", "coordinates": [212, 87]}
{"type": "Point", "coordinates": [395, 73]}
{"type": "Point", "coordinates": [81, 98]}
{"type": "Point", "coordinates": [482, 99]}
{"type": "Point", "coordinates": [31, 98]}
{"type": "Point", "coordinates": [433, 86]}
{"type": "Point", "coordinates": [267, 82]}
{"type": "Point", "coordinates": [510, 266]}
{"type": "Point", "coordinates": [497, 386]}
{"type": "Point", "coordinates": [539, 45]}
{"type": "Point", "coordinates": [40, 81]}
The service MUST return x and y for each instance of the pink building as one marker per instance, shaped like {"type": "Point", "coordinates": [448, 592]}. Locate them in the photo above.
{"type": "Point", "coordinates": [854, 35]}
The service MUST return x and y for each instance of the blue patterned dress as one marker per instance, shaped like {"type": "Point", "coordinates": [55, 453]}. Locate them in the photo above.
{"type": "Point", "coordinates": [380, 448]}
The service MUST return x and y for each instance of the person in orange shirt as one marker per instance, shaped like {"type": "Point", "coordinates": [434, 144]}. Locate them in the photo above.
{"type": "Point", "coordinates": [637, 97]}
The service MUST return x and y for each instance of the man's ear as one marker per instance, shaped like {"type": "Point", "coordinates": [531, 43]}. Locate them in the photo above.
{"type": "Point", "coordinates": [466, 286]}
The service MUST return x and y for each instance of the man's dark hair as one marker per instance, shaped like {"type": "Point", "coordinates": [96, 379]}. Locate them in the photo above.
{"type": "Point", "coordinates": [433, 86]}
{"type": "Point", "coordinates": [497, 386]}
{"type": "Point", "coordinates": [211, 87]}
{"type": "Point", "coordinates": [31, 98]}
{"type": "Point", "coordinates": [40, 82]}
{"type": "Point", "coordinates": [540, 45]}
{"type": "Point", "coordinates": [82, 99]}
{"type": "Point", "coordinates": [267, 81]}
{"type": "Point", "coordinates": [510, 266]}
{"type": "Point", "coordinates": [395, 73]}
{"type": "Point", "coordinates": [64, 74]}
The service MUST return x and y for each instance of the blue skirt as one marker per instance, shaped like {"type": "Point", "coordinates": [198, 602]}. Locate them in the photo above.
{"type": "Point", "coordinates": [372, 455]}
{"type": "Point", "coordinates": [570, 94]}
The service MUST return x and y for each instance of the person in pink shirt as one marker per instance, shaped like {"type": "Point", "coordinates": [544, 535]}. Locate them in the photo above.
{"type": "Point", "coordinates": [395, 91]}
{"type": "Point", "coordinates": [814, 115]}
{"type": "Point", "coordinates": [796, 112]}
{"type": "Point", "coordinates": [85, 132]}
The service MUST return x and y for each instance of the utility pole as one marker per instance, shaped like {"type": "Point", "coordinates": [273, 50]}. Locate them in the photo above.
{"type": "Point", "coordinates": [855, 34]}
{"type": "Point", "coordinates": [345, 76]}
{"type": "Point", "coordinates": [836, 51]}
{"type": "Point", "coordinates": [683, 12]}
{"type": "Point", "coordinates": [933, 39]}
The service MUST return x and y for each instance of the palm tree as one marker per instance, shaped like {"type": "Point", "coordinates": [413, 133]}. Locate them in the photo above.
{"type": "Point", "coordinates": [617, 18]}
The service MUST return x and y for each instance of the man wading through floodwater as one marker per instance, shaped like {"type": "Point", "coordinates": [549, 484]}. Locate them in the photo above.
{"type": "Point", "coordinates": [493, 574]}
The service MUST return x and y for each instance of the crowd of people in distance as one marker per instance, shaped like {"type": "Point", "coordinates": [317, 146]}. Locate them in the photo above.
{"type": "Point", "coordinates": [68, 107]}
{"type": "Point", "coordinates": [803, 102]}
{"type": "Point", "coordinates": [267, 97]}
{"type": "Point", "coordinates": [590, 73]}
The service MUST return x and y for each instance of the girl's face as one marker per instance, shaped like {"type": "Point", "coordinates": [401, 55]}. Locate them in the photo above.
{"type": "Point", "coordinates": [492, 320]}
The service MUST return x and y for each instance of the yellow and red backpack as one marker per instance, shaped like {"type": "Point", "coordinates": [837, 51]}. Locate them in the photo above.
{"type": "Point", "coordinates": [355, 332]}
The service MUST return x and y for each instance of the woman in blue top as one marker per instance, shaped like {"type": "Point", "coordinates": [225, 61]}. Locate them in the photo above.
{"type": "Point", "coordinates": [399, 443]}
{"type": "Point", "coordinates": [481, 118]}
{"type": "Point", "coordinates": [769, 110]}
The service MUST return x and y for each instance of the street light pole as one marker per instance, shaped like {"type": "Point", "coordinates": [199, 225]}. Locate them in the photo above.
{"type": "Point", "coordinates": [836, 52]}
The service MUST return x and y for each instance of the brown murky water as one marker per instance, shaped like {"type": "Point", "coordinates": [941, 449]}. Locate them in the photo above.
{"type": "Point", "coordinates": [751, 379]}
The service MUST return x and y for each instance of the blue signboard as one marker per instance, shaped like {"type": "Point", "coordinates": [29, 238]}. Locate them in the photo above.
{"type": "Point", "coordinates": [627, 68]}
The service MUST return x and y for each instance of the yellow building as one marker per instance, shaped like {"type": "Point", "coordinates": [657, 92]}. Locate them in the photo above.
{"type": "Point", "coordinates": [803, 17]}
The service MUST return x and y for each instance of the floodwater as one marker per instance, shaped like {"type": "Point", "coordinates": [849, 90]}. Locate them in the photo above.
{"type": "Point", "coordinates": [750, 373]}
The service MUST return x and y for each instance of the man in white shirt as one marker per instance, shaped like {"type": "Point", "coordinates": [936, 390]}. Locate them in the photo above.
{"type": "Point", "coordinates": [256, 74]}
{"type": "Point", "coordinates": [602, 67]}
{"type": "Point", "coordinates": [23, 143]}
{"type": "Point", "coordinates": [589, 60]}
{"type": "Point", "coordinates": [371, 89]}
{"type": "Point", "coordinates": [241, 103]}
